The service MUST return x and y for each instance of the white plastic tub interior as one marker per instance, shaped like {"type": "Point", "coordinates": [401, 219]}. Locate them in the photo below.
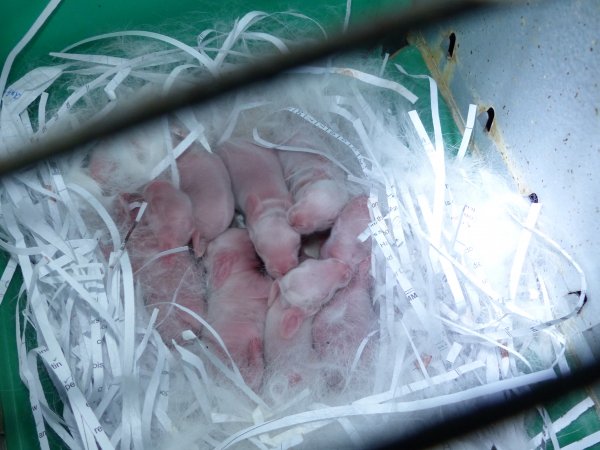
{"type": "Point", "coordinates": [537, 64]}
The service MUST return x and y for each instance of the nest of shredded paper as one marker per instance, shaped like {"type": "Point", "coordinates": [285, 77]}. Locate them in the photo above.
{"type": "Point", "coordinates": [468, 289]}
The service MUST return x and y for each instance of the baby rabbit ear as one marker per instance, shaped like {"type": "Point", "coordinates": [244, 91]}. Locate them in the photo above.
{"type": "Point", "coordinates": [253, 206]}
{"type": "Point", "coordinates": [199, 244]}
{"type": "Point", "coordinates": [291, 321]}
{"type": "Point", "coordinates": [274, 293]}
{"type": "Point", "coordinates": [221, 269]}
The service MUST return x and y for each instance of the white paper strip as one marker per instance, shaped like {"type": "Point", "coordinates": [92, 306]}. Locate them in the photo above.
{"type": "Point", "coordinates": [464, 143]}
{"type": "Point", "coordinates": [8, 62]}
{"type": "Point", "coordinates": [7, 274]}
{"type": "Point", "coordinates": [564, 421]}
